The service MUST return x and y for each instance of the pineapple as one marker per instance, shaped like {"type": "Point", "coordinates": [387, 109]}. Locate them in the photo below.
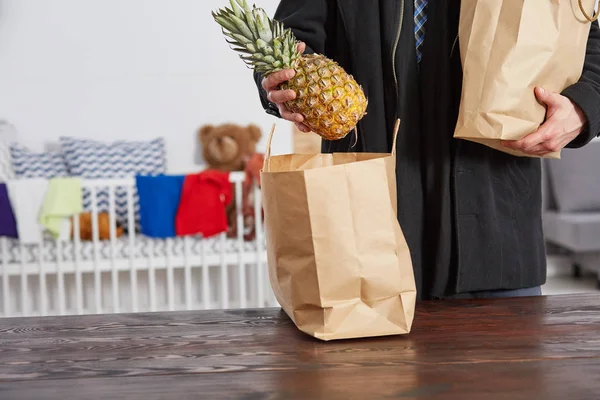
{"type": "Point", "coordinates": [330, 100]}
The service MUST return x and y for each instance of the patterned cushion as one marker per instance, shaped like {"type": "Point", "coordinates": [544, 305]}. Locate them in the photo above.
{"type": "Point", "coordinates": [29, 164]}
{"type": "Point", "coordinates": [92, 159]}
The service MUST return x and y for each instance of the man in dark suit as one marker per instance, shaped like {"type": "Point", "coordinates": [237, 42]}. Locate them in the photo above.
{"type": "Point", "coordinates": [471, 215]}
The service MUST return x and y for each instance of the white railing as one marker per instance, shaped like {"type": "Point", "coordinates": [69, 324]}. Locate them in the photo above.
{"type": "Point", "coordinates": [134, 273]}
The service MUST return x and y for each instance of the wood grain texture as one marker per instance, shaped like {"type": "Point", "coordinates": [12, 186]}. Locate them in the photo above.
{"type": "Point", "coordinates": [529, 348]}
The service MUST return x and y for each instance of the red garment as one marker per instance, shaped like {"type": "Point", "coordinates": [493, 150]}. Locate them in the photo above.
{"type": "Point", "coordinates": [204, 197]}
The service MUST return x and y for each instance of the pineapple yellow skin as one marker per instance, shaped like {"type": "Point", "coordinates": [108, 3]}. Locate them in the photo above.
{"type": "Point", "coordinates": [328, 98]}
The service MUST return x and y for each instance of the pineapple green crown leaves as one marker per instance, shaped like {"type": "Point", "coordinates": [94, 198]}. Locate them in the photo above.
{"type": "Point", "coordinates": [262, 42]}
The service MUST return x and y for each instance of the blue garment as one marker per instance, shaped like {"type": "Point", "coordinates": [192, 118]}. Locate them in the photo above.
{"type": "Point", "coordinates": [159, 199]}
{"type": "Point", "coordinates": [420, 17]}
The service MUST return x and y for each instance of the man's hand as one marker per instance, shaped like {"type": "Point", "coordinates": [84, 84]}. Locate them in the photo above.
{"type": "Point", "coordinates": [564, 122]}
{"type": "Point", "coordinates": [271, 83]}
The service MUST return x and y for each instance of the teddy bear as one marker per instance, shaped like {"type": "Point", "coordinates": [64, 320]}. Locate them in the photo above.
{"type": "Point", "coordinates": [228, 147]}
{"type": "Point", "coordinates": [86, 227]}
{"type": "Point", "coordinates": [231, 147]}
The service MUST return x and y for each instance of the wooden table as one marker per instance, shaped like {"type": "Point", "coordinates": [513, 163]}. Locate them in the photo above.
{"type": "Point", "coordinates": [534, 348]}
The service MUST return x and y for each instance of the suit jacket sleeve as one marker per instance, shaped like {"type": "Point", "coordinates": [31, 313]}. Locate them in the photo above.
{"type": "Point", "coordinates": [309, 20]}
{"type": "Point", "coordinates": [586, 92]}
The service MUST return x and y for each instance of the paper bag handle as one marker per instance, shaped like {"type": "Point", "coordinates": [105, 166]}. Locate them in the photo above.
{"type": "Point", "coordinates": [268, 149]}
{"type": "Point", "coordinates": [585, 14]}
{"type": "Point", "coordinates": [270, 140]}
{"type": "Point", "coordinates": [396, 129]}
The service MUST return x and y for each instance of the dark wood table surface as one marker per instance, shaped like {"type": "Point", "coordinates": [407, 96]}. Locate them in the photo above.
{"type": "Point", "coordinates": [530, 348]}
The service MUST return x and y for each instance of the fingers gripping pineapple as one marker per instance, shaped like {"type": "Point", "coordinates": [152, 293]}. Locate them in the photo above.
{"type": "Point", "coordinates": [328, 98]}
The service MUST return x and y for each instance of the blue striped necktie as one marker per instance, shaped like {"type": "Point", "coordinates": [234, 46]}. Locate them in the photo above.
{"type": "Point", "coordinates": [420, 18]}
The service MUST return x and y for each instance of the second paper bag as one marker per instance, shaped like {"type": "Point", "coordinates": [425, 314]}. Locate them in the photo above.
{"type": "Point", "coordinates": [338, 262]}
{"type": "Point", "coordinates": [508, 48]}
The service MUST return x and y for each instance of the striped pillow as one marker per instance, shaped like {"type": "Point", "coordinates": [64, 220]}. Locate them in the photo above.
{"type": "Point", "coordinates": [29, 164]}
{"type": "Point", "coordinates": [92, 159]}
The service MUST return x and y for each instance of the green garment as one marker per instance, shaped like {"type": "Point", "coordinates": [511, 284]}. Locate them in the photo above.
{"type": "Point", "coordinates": [63, 200]}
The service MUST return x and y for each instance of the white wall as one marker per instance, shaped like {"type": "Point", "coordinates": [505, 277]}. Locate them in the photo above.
{"type": "Point", "coordinates": [125, 69]}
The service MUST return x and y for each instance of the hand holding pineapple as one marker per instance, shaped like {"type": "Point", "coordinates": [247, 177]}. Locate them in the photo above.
{"type": "Point", "coordinates": [279, 97]}
{"type": "Point", "coordinates": [326, 98]}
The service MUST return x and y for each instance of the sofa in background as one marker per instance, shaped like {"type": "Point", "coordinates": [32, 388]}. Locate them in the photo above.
{"type": "Point", "coordinates": [572, 206]}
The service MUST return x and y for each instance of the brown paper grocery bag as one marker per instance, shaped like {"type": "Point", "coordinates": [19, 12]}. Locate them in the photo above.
{"type": "Point", "coordinates": [338, 261]}
{"type": "Point", "coordinates": [508, 48]}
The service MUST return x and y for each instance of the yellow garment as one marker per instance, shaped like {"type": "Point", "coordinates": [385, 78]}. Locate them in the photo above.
{"type": "Point", "coordinates": [63, 200]}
